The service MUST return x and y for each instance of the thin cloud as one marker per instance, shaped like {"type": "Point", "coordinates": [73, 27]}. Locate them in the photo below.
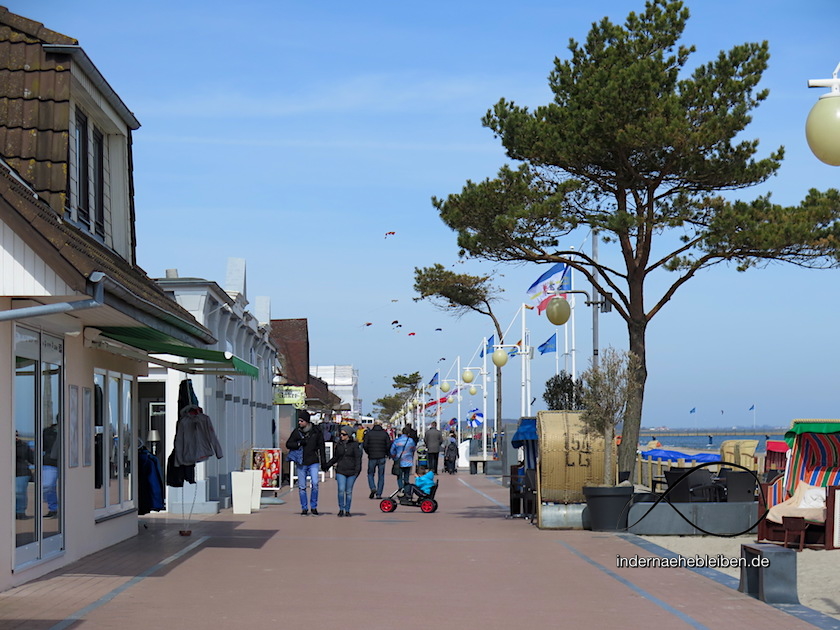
{"type": "Point", "coordinates": [370, 94]}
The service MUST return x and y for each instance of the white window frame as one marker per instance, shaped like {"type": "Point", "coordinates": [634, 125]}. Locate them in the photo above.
{"type": "Point", "coordinates": [125, 500]}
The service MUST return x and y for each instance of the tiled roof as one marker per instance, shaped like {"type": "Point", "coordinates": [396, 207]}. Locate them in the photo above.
{"type": "Point", "coordinates": [35, 105]}
{"type": "Point", "coordinates": [291, 336]}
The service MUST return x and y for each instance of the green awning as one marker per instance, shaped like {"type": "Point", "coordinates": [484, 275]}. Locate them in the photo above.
{"type": "Point", "coordinates": [155, 342]}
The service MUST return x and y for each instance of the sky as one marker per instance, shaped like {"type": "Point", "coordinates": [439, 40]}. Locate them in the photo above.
{"type": "Point", "coordinates": [300, 135]}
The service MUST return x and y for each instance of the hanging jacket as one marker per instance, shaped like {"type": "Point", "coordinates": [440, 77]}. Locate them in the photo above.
{"type": "Point", "coordinates": [195, 438]}
{"type": "Point", "coordinates": [149, 483]}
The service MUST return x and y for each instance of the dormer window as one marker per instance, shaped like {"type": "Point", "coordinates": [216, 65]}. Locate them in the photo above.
{"type": "Point", "coordinates": [89, 176]}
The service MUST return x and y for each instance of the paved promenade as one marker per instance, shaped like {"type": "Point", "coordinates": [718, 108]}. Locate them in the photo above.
{"type": "Point", "coordinates": [464, 567]}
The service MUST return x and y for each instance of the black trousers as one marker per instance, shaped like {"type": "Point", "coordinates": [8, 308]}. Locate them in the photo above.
{"type": "Point", "coordinates": [433, 461]}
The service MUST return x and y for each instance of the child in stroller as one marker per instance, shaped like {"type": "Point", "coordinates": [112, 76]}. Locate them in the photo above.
{"type": "Point", "coordinates": [450, 456]}
{"type": "Point", "coordinates": [420, 494]}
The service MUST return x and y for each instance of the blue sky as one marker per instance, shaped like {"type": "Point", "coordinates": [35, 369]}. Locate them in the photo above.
{"type": "Point", "coordinates": [297, 134]}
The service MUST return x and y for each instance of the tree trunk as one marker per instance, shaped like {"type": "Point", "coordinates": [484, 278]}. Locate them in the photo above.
{"type": "Point", "coordinates": [633, 415]}
{"type": "Point", "coordinates": [609, 465]}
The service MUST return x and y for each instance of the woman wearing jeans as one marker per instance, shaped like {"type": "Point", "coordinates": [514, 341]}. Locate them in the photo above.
{"type": "Point", "coordinates": [348, 464]}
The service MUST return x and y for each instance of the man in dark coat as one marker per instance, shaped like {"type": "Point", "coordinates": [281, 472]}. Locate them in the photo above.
{"type": "Point", "coordinates": [433, 439]}
{"type": "Point", "coordinates": [311, 440]}
{"type": "Point", "coordinates": [377, 445]}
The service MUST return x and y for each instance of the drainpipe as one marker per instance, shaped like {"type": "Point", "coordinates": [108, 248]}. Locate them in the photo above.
{"type": "Point", "coordinates": [98, 299]}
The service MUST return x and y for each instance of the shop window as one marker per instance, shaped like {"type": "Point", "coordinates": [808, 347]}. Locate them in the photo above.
{"type": "Point", "coordinates": [113, 443]}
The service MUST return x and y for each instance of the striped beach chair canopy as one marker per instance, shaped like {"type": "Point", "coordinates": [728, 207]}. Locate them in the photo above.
{"type": "Point", "coordinates": [815, 453]}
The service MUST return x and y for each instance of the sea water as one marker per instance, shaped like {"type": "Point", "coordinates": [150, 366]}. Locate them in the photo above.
{"type": "Point", "coordinates": [701, 442]}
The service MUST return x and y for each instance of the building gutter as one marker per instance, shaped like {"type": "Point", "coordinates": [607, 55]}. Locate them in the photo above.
{"type": "Point", "coordinates": [97, 280]}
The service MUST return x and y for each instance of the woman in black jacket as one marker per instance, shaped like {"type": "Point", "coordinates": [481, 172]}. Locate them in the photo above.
{"type": "Point", "coordinates": [348, 464]}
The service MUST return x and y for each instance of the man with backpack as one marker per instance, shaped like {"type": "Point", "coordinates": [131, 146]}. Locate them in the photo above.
{"type": "Point", "coordinates": [377, 445]}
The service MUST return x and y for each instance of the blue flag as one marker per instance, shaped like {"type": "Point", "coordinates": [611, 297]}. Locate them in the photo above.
{"type": "Point", "coordinates": [549, 281]}
{"type": "Point", "coordinates": [489, 348]}
{"type": "Point", "coordinates": [550, 345]}
{"type": "Point", "coordinates": [434, 380]}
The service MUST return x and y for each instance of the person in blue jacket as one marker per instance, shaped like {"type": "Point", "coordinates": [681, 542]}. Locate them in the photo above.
{"type": "Point", "coordinates": [402, 450]}
{"type": "Point", "coordinates": [424, 481]}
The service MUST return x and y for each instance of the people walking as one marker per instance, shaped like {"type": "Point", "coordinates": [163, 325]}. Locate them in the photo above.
{"type": "Point", "coordinates": [402, 450]}
{"type": "Point", "coordinates": [314, 455]}
{"type": "Point", "coordinates": [348, 464]}
{"type": "Point", "coordinates": [450, 454]}
{"type": "Point", "coordinates": [433, 439]}
{"type": "Point", "coordinates": [377, 445]}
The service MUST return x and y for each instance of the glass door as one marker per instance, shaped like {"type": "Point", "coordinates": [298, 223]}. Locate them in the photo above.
{"type": "Point", "coordinates": [38, 420]}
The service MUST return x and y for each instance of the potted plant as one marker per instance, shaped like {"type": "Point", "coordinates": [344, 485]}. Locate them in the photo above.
{"type": "Point", "coordinates": [607, 391]}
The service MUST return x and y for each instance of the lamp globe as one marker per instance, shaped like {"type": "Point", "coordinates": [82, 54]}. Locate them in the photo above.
{"type": "Point", "coordinates": [499, 357]}
{"type": "Point", "coordinates": [558, 311]}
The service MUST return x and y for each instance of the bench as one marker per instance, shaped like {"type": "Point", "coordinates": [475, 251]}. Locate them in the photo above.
{"type": "Point", "coordinates": [768, 572]}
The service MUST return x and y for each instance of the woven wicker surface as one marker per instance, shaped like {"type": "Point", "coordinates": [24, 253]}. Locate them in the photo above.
{"type": "Point", "coordinates": [569, 457]}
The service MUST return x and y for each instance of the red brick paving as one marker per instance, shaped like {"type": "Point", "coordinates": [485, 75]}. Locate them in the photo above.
{"type": "Point", "coordinates": [465, 566]}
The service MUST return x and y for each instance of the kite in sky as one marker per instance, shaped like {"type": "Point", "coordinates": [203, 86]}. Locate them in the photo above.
{"type": "Point", "coordinates": [387, 234]}
{"type": "Point", "coordinates": [411, 334]}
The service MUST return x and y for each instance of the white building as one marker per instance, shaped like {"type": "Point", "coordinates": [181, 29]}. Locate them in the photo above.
{"type": "Point", "coordinates": [238, 398]}
{"type": "Point", "coordinates": [343, 381]}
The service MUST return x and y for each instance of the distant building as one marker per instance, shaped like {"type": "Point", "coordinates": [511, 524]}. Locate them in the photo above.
{"type": "Point", "coordinates": [343, 381]}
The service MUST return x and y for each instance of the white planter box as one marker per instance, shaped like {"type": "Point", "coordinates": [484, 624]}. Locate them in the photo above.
{"type": "Point", "coordinates": [256, 490]}
{"type": "Point", "coordinates": [242, 490]}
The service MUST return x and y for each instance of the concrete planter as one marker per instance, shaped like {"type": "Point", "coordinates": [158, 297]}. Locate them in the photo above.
{"type": "Point", "coordinates": [607, 507]}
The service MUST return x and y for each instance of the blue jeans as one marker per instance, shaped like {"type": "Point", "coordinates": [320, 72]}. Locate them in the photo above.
{"type": "Point", "coordinates": [21, 497]}
{"type": "Point", "coordinates": [402, 478]}
{"type": "Point", "coordinates": [303, 472]}
{"type": "Point", "coordinates": [49, 483]}
{"type": "Point", "coordinates": [377, 466]}
{"type": "Point", "coordinates": [345, 490]}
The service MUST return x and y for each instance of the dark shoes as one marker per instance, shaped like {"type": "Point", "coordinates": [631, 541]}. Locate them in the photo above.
{"type": "Point", "coordinates": [348, 514]}
{"type": "Point", "coordinates": [304, 512]}
{"type": "Point", "coordinates": [341, 512]}
{"type": "Point", "coordinates": [372, 494]}
{"type": "Point", "coordinates": [51, 514]}
{"type": "Point", "coordinates": [314, 512]}
{"type": "Point", "coordinates": [22, 517]}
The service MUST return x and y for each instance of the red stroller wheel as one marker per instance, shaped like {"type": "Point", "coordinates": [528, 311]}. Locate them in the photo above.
{"type": "Point", "coordinates": [387, 505]}
{"type": "Point", "coordinates": [428, 505]}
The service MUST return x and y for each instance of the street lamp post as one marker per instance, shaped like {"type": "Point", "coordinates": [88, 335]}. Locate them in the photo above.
{"type": "Point", "coordinates": [468, 377]}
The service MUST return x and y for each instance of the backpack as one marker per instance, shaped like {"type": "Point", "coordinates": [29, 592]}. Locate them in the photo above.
{"type": "Point", "coordinates": [451, 451]}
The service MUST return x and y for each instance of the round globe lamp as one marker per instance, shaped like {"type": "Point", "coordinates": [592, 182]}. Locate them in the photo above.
{"type": "Point", "coordinates": [468, 376]}
{"type": "Point", "coordinates": [822, 129]}
{"type": "Point", "coordinates": [449, 399]}
{"type": "Point", "coordinates": [558, 311]}
{"type": "Point", "coordinates": [444, 387]}
{"type": "Point", "coordinates": [499, 357]}
{"type": "Point", "coordinates": [473, 390]}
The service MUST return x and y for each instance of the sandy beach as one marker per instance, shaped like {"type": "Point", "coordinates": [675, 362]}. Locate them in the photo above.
{"type": "Point", "coordinates": [816, 570]}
